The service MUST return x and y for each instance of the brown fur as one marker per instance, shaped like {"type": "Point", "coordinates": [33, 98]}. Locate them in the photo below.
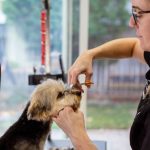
{"type": "Point", "coordinates": [31, 130]}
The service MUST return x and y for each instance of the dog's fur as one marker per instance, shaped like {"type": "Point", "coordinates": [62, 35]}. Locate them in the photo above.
{"type": "Point", "coordinates": [31, 130]}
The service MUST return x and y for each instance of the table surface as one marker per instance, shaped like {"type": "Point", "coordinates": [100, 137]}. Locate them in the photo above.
{"type": "Point", "coordinates": [101, 145]}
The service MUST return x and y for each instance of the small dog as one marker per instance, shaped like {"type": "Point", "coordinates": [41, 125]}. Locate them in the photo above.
{"type": "Point", "coordinates": [32, 128]}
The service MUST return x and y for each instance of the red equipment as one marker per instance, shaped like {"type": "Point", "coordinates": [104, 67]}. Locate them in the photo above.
{"type": "Point", "coordinates": [45, 51]}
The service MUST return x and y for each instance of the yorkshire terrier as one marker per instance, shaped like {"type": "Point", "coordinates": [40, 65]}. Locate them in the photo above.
{"type": "Point", "coordinates": [32, 128]}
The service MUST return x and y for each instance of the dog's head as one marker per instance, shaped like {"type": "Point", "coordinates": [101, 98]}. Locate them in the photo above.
{"type": "Point", "coordinates": [49, 98]}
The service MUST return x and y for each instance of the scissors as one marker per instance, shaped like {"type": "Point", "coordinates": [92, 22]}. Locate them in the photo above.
{"type": "Point", "coordinates": [87, 83]}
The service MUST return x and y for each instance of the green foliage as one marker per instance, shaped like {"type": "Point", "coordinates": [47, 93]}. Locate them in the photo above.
{"type": "Point", "coordinates": [110, 116]}
{"type": "Point", "coordinates": [25, 15]}
{"type": "Point", "coordinates": [107, 20]}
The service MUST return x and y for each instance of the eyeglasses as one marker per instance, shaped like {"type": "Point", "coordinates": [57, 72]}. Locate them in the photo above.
{"type": "Point", "coordinates": [136, 13]}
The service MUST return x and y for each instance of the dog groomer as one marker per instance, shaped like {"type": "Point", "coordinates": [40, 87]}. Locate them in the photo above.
{"type": "Point", "coordinates": [73, 122]}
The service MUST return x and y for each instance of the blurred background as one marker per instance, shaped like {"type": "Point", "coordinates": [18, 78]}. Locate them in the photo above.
{"type": "Point", "coordinates": [111, 102]}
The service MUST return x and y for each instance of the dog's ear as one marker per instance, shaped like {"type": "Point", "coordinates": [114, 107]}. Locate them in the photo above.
{"type": "Point", "coordinates": [38, 111]}
{"type": "Point", "coordinates": [40, 105]}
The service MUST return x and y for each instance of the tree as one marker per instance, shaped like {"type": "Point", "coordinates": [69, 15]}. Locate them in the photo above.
{"type": "Point", "coordinates": [108, 19]}
{"type": "Point", "coordinates": [25, 15]}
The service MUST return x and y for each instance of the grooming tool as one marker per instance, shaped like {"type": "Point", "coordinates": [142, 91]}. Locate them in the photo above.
{"type": "Point", "coordinates": [87, 83]}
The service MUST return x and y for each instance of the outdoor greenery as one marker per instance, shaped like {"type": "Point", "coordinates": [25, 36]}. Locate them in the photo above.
{"type": "Point", "coordinates": [105, 22]}
{"type": "Point", "coordinates": [25, 15]}
{"type": "Point", "coordinates": [110, 116]}
{"type": "Point", "coordinates": [108, 19]}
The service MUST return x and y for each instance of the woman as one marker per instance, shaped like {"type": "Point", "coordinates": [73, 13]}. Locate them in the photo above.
{"type": "Point", "coordinates": [121, 48]}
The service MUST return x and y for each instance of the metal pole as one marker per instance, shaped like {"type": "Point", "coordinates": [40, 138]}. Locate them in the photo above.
{"type": "Point", "coordinates": [83, 41]}
{"type": "Point", "coordinates": [67, 33]}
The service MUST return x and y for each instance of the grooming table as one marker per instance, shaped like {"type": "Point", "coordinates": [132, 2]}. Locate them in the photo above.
{"type": "Point", "coordinates": [66, 145]}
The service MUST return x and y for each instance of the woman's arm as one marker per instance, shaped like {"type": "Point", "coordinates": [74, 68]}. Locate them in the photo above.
{"type": "Point", "coordinates": [119, 48]}
{"type": "Point", "coordinates": [116, 49]}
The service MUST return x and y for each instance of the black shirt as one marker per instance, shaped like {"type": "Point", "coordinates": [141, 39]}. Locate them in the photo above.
{"type": "Point", "coordinates": [140, 130]}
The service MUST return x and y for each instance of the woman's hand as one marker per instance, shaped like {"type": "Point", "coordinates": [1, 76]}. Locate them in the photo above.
{"type": "Point", "coordinates": [82, 65]}
{"type": "Point", "coordinates": [69, 121]}
{"type": "Point", "coordinates": [72, 123]}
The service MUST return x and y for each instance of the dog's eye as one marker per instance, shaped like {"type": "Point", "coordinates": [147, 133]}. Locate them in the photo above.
{"type": "Point", "coordinates": [60, 94]}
